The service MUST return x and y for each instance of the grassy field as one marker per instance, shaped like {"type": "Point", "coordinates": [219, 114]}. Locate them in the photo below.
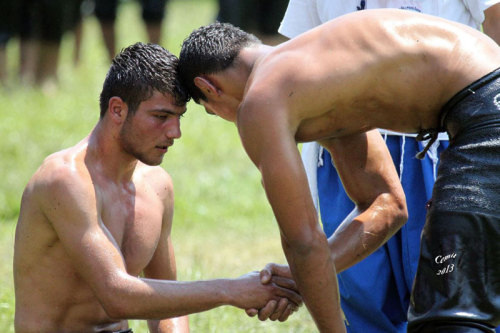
{"type": "Point", "coordinates": [223, 226]}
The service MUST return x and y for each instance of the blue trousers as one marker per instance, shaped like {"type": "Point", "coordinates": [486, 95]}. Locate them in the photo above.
{"type": "Point", "coordinates": [375, 293]}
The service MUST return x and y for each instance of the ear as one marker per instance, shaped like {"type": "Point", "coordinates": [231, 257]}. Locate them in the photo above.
{"type": "Point", "coordinates": [117, 109]}
{"type": "Point", "coordinates": [207, 86]}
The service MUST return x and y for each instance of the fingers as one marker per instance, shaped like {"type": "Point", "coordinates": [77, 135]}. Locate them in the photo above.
{"type": "Point", "coordinates": [280, 309]}
{"type": "Point", "coordinates": [290, 308]}
{"type": "Point", "coordinates": [267, 310]}
{"type": "Point", "coordinates": [284, 282]}
{"type": "Point", "coordinates": [274, 269]}
{"type": "Point", "coordinates": [290, 294]}
{"type": "Point", "coordinates": [274, 310]}
{"type": "Point", "coordinates": [251, 312]}
{"type": "Point", "coordinates": [266, 275]}
{"type": "Point", "coordinates": [281, 270]}
{"type": "Point", "coordinates": [285, 298]}
{"type": "Point", "coordinates": [277, 310]}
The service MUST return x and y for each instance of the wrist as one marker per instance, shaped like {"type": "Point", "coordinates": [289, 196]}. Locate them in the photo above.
{"type": "Point", "coordinates": [227, 292]}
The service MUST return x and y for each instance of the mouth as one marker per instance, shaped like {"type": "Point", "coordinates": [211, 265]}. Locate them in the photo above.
{"type": "Point", "coordinates": [164, 147]}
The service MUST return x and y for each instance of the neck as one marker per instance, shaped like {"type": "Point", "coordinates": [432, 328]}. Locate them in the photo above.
{"type": "Point", "coordinates": [106, 156]}
{"type": "Point", "coordinates": [248, 56]}
{"type": "Point", "coordinates": [236, 77]}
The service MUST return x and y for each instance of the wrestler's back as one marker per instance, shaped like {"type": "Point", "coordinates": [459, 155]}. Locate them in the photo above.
{"type": "Point", "coordinates": [386, 68]}
{"type": "Point", "coordinates": [51, 296]}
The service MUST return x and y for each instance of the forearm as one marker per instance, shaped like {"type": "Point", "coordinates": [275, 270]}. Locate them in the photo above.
{"type": "Point", "coordinates": [369, 176]}
{"type": "Point", "coordinates": [362, 232]}
{"type": "Point", "coordinates": [492, 29]}
{"type": "Point", "coordinates": [159, 299]}
{"type": "Point", "coordinates": [314, 273]}
{"type": "Point", "coordinates": [491, 24]}
{"type": "Point", "coordinates": [172, 325]}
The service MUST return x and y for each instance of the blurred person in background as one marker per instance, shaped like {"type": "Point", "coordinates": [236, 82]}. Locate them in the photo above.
{"type": "Point", "coordinates": [379, 305]}
{"type": "Point", "coordinates": [40, 26]}
{"type": "Point", "coordinates": [43, 25]}
{"type": "Point", "coordinates": [153, 14]}
{"type": "Point", "coordinates": [260, 17]}
{"type": "Point", "coordinates": [9, 24]}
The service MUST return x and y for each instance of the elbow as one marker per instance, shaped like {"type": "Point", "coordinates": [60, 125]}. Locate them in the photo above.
{"type": "Point", "coordinates": [397, 211]}
{"type": "Point", "coordinates": [392, 213]}
{"type": "Point", "coordinates": [394, 205]}
{"type": "Point", "coordinates": [305, 242]}
{"type": "Point", "coordinates": [397, 221]}
{"type": "Point", "coordinates": [113, 297]}
{"type": "Point", "coordinates": [400, 216]}
{"type": "Point", "coordinates": [117, 311]}
{"type": "Point", "coordinates": [115, 307]}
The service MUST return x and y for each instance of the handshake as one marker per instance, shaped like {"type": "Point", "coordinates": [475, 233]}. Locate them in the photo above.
{"type": "Point", "coordinates": [271, 294]}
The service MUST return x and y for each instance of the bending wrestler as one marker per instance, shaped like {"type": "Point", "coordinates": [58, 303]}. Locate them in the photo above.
{"type": "Point", "coordinates": [335, 84]}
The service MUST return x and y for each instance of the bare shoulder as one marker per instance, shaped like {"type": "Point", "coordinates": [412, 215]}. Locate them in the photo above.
{"type": "Point", "coordinates": [156, 178]}
{"type": "Point", "coordinates": [62, 176]}
{"type": "Point", "coordinates": [277, 70]}
{"type": "Point", "coordinates": [56, 193]}
{"type": "Point", "coordinates": [291, 83]}
{"type": "Point", "coordinates": [274, 81]}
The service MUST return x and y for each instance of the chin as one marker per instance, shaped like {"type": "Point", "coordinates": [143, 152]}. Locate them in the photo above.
{"type": "Point", "coordinates": [150, 161]}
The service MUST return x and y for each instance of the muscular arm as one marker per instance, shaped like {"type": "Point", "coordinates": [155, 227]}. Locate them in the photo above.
{"type": "Point", "coordinates": [491, 24]}
{"type": "Point", "coordinates": [69, 203]}
{"type": "Point", "coordinates": [270, 144]}
{"type": "Point", "coordinates": [163, 266]}
{"type": "Point", "coordinates": [370, 179]}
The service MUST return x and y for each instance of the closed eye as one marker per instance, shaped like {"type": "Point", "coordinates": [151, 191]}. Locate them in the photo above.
{"type": "Point", "coordinates": [165, 115]}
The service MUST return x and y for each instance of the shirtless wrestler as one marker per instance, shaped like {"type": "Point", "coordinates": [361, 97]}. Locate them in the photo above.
{"type": "Point", "coordinates": [92, 246]}
{"type": "Point", "coordinates": [335, 84]}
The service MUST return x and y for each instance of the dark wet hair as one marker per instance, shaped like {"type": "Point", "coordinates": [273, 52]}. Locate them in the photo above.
{"type": "Point", "coordinates": [210, 49]}
{"type": "Point", "coordinates": [137, 71]}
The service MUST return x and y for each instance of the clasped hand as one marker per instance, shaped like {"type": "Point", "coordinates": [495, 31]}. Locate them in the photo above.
{"type": "Point", "coordinates": [282, 307]}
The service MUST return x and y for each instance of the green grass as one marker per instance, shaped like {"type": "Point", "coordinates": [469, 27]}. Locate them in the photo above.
{"type": "Point", "coordinates": [223, 225]}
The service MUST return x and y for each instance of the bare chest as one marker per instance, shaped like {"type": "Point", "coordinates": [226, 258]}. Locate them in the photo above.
{"type": "Point", "coordinates": [329, 125]}
{"type": "Point", "coordinates": [368, 109]}
{"type": "Point", "coordinates": [134, 222]}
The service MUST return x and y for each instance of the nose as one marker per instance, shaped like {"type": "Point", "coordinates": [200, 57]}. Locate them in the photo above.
{"type": "Point", "coordinates": [208, 109]}
{"type": "Point", "coordinates": [173, 128]}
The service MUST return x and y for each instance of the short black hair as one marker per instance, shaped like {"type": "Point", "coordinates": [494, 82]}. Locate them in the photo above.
{"type": "Point", "coordinates": [210, 49]}
{"type": "Point", "coordinates": [137, 71]}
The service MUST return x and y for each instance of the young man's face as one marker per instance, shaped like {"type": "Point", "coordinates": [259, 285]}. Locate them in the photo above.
{"type": "Point", "coordinates": [149, 132]}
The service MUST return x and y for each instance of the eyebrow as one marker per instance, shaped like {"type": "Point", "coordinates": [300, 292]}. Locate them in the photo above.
{"type": "Point", "coordinates": [168, 111]}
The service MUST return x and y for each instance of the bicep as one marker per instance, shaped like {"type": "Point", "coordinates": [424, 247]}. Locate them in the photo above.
{"type": "Point", "coordinates": [70, 206]}
{"type": "Point", "coordinates": [365, 166]}
{"type": "Point", "coordinates": [269, 141]}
